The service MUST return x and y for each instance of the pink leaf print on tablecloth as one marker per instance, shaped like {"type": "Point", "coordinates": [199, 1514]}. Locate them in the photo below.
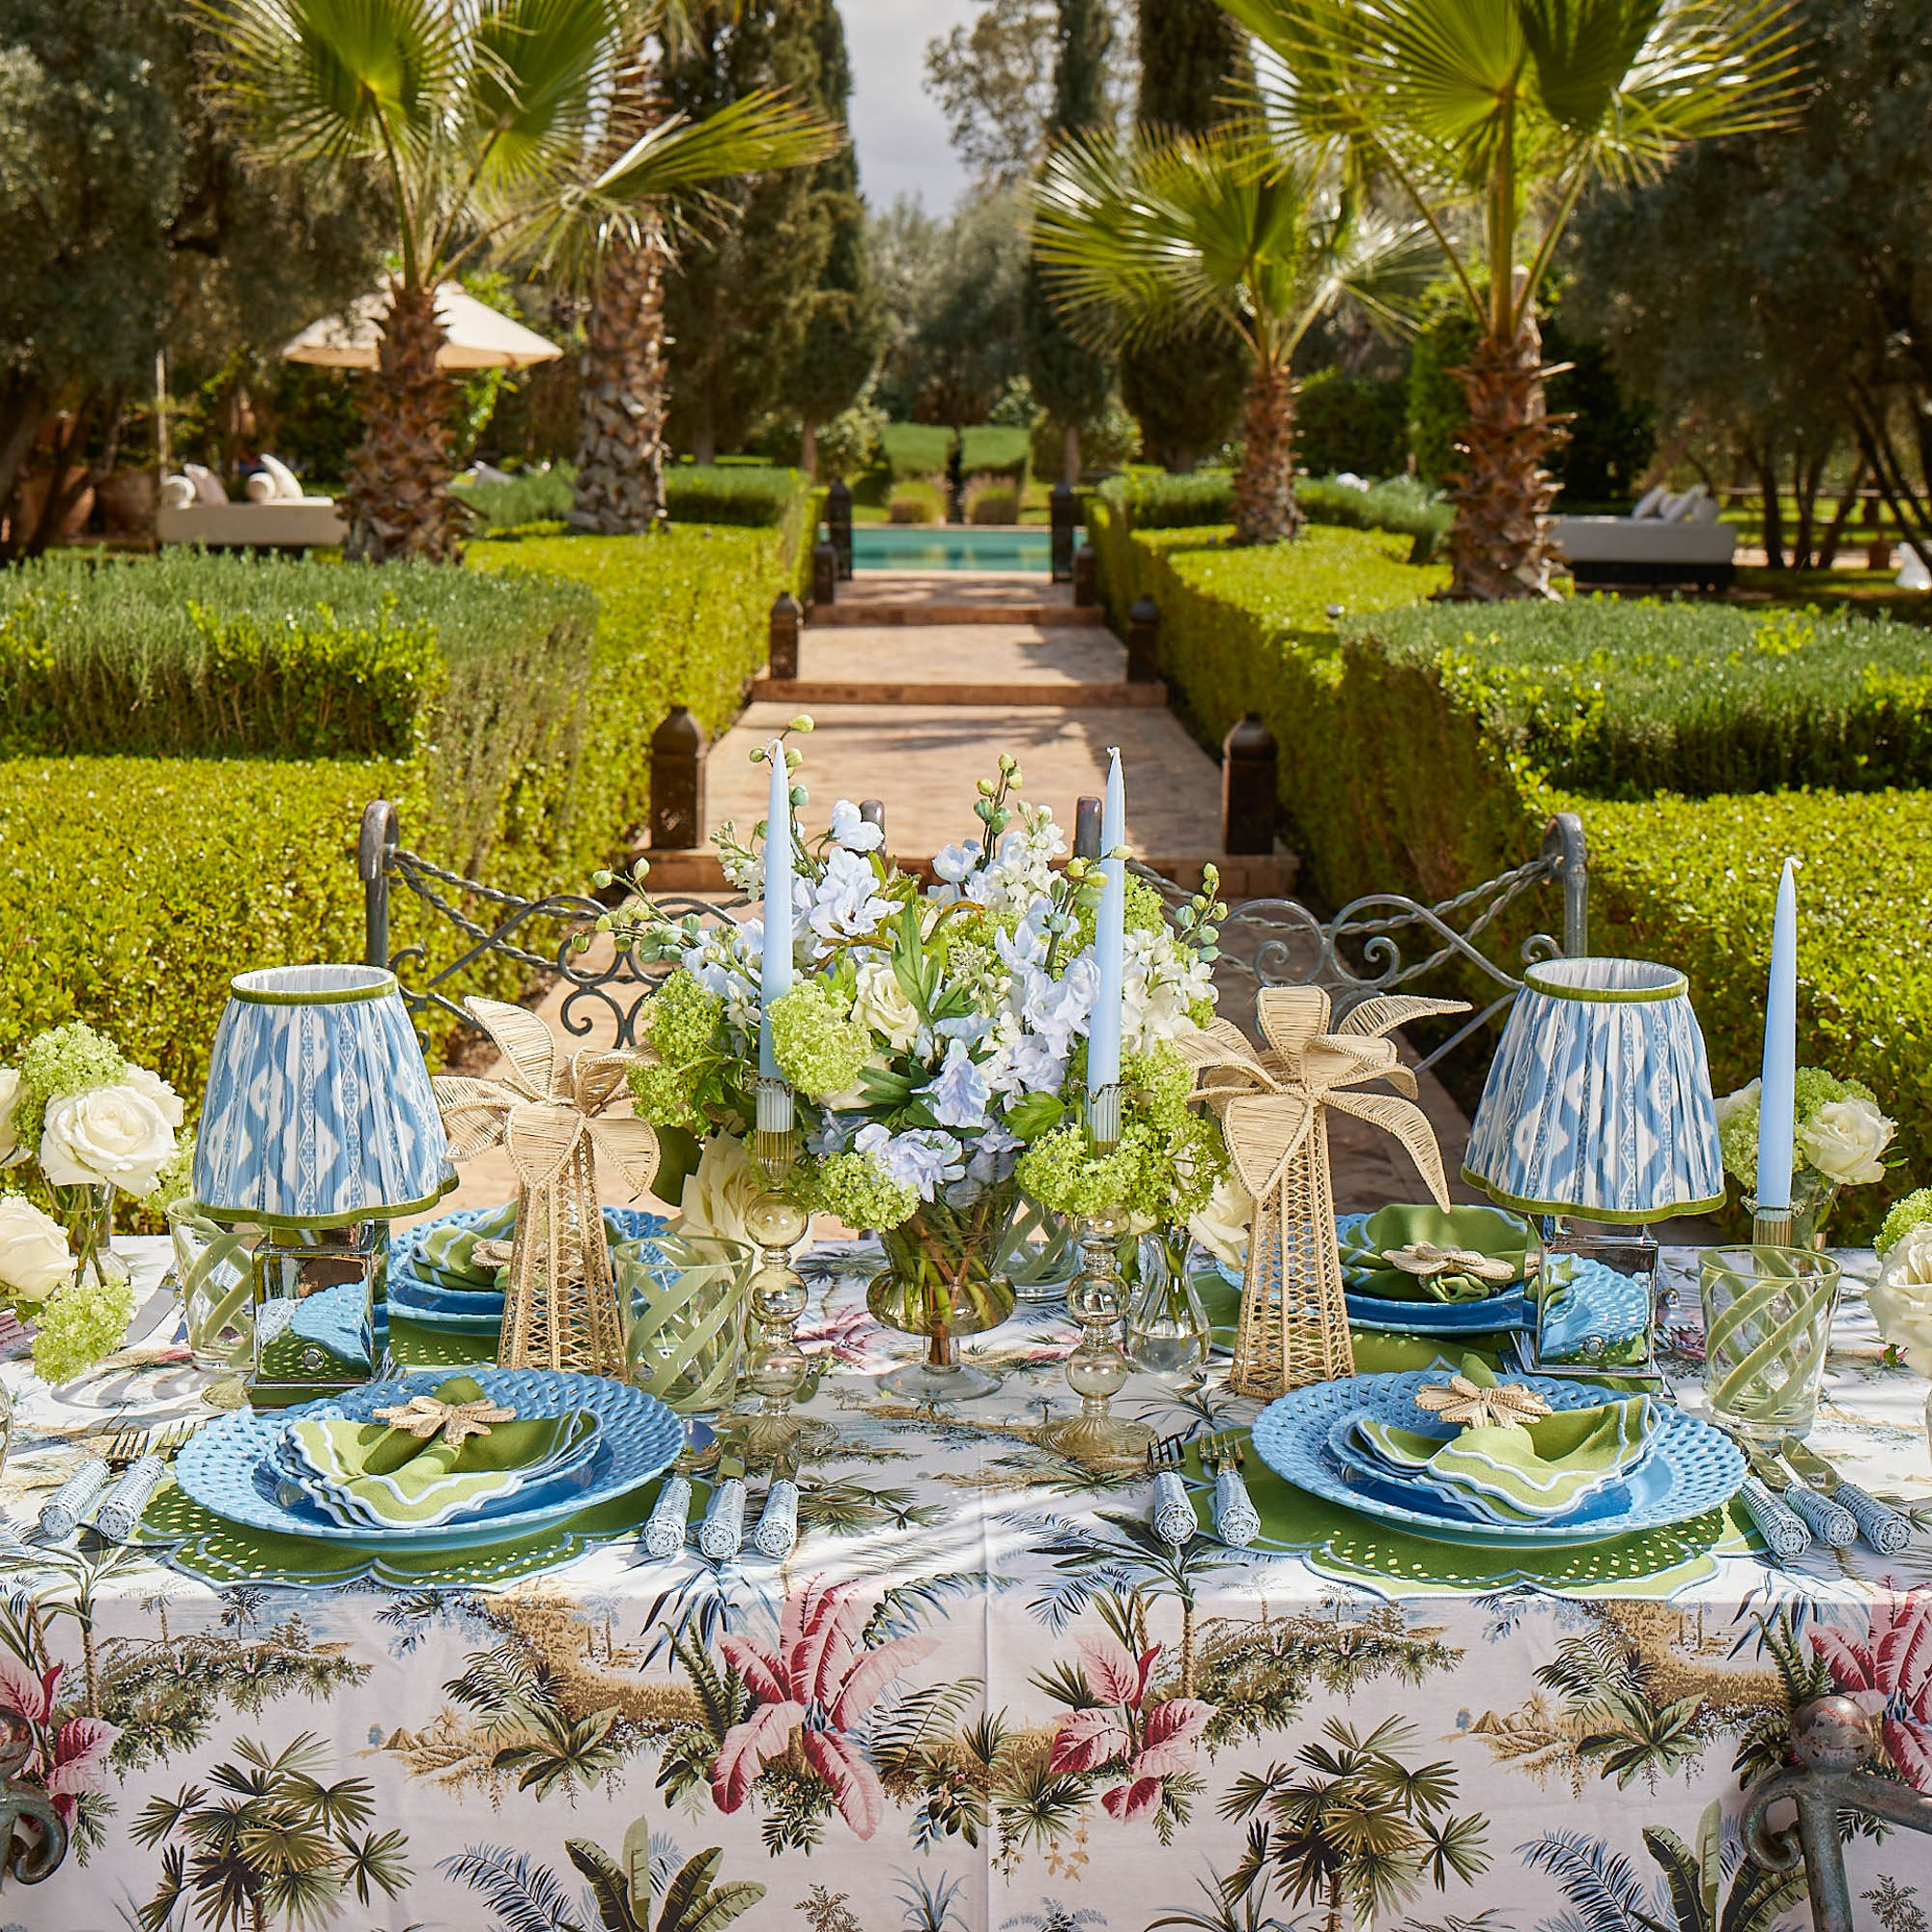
{"type": "Point", "coordinates": [1151, 1742]}
{"type": "Point", "coordinates": [820, 1679]}
{"type": "Point", "coordinates": [1890, 1675]}
{"type": "Point", "coordinates": [70, 1760]}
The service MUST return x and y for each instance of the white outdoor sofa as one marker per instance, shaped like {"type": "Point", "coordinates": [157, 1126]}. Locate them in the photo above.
{"type": "Point", "coordinates": [1665, 540]}
{"type": "Point", "coordinates": [284, 519]}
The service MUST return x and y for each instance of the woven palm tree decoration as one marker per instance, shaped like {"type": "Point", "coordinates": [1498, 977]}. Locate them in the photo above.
{"type": "Point", "coordinates": [1273, 1106]}
{"type": "Point", "coordinates": [559, 1302]}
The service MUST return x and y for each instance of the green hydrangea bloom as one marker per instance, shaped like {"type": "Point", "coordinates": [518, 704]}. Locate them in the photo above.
{"type": "Point", "coordinates": [1144, 911]}
{"type": "Point", "coordinates": [174, 1176]}
{"type": "Point", "coordinates": [79, 1325]}
{"type": "Point", "coordinates": [684, 1020]}
{"type": "Point", "coordinates": [1060, 1171]}
{"type": "Point", "coordinates": [1905, 1215]}
{"type": "Point", "coordinates": [63, 1059]}
{"type": "Point", "coordinates": [817, 1045]}
{"type": "Point", "coordinates": [1811, 1088]}
{"type": "Point", "coordinates": [856, 1188]}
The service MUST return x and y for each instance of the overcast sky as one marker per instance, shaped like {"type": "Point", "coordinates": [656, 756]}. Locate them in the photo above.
{"type": "Point", "coordinates": [896, 125]}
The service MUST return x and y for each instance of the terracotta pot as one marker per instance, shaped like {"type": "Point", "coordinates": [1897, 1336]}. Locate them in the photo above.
{"type": "Point", "coordinates": [127, 499]}
{"type": "Point", "coordinates": [33, 501]}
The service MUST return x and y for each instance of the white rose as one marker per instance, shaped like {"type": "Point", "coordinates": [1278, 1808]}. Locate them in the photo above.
{"type": "Point", "coordinates": [34, 1256]}
{"type": "Point", "coordinates": [881, 1004]}
{"type": "Point", "coordinates": [11, 1150]}
{"type": "Point", "coordinates": [1736, 1103]}
{"type": "Point", "coordinates": [167, 1102]}
{"type": "Point", "coordinates": [1221, 1227]}
{"type": "Point", "coordinates": [1844, 1139]}
{"type": "Point", "coordinates": [1901, 1298]}
{"type": "Point", "coordinates": [718, 1193]}
{"type": "Point", "coordinates": [108, 1136]}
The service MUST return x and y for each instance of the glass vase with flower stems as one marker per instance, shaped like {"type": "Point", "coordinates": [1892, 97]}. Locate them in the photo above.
{"type": "Point", "coordinates": [87, 1213]}
{"type": "Point", "coordinates": [942, 1281]}
{"type": "Point", "coordinates": [1166, 1328]}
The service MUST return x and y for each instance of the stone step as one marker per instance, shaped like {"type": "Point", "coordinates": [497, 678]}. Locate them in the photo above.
{"type": "Point", "coordinates": [833, 691]}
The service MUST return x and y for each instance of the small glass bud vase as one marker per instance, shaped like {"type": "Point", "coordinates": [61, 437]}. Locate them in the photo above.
{"type": "Point", "coordinates": [89, 1215]}
{"type": "Point", "coordinates": [1098, 1368]}
{"type": "Point", "coordinates": [1813, 1196]}
{"type": "Point", "coordinates": [1168, 1331]}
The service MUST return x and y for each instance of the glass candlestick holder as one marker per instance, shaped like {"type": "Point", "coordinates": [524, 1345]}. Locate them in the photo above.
{"type": "Point", "coordinates": [775, 1365]}
{"type": "Point", "coordinates": [1098, 1367]}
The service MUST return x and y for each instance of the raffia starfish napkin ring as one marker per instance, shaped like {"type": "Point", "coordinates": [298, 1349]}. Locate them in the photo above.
{"type": "Point", "coordinates": [1470, 1405]}
{"type": "Point", "coordinates": [1425, 1258]}
{"type": "Point", "coordinates": [454, 1421]}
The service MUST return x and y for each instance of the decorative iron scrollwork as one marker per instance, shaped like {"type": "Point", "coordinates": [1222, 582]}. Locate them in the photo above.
{"type": "Point", "coordinates": [33, 1839]}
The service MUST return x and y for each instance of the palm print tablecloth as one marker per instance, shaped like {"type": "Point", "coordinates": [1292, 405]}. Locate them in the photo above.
{"type": "Point", "coordinates": [980, 1695]}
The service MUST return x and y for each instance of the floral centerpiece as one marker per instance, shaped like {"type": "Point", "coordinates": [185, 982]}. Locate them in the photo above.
{"type": "Point", "coordinates": [934, 1037]}
{"type": "Point", "coordinates": [94, 1124]}
{"type": "Point", "coordinates": [1839, 1140]}
{"type": "Point", "coordinates": [1901, 1298]}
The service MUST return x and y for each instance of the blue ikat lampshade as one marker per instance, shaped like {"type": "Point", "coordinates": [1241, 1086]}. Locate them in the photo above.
{"type": "Point", "coordinates": [319, 1110]}
{"type": "Point", "coordinates": [1597, 1103]}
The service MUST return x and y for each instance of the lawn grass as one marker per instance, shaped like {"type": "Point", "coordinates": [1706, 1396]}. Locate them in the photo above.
{"type": "Point", "coordinates": [916, 449]}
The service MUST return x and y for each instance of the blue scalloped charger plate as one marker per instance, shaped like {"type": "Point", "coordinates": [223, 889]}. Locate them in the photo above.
{"type": "Point", "coordinates": [1689, 1467]}
{"type": "Point", "coordinates": [430, 1304]}
{"type": "Point", "coordinates": [229, 1467]}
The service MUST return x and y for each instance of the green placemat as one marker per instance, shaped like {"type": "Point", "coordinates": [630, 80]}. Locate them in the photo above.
{"type": "Point", "coordinates": [416, 1348]}
{"type": "Point", "coordinates": [1362, 1551]}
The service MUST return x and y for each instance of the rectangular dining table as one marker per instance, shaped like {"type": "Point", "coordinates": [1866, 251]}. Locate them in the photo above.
{"type": "Point", "coordinates": [979, 1693]}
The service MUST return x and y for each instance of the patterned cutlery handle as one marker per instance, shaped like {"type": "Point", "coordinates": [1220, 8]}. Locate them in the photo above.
{"type": "Point", "coordinates": [1173, 1519]}
{"type": "Point", "coordinates": [62, 1511]}
{"type": "Point", "coordinates": [1784, 1534]}
{"type": "Point", "coordinates": [665, 1530]}
{"type": "Point", "coordinates": [723, 1533]}
{"type": "Point", "coordinates": [1837, 1528]}
{"type": "Point", "coordinates": [776, 1533]}
{"type": "Point", "coordinates": [1880, 1524]}
{"type": "Point", "coordinates": [118, 1514]}
{"type": "Point", "coordinates": [1237, 1519]}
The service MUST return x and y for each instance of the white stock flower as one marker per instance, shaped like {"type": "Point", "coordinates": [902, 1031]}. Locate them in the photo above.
{"type": "Point", "coordinates": [34, 1256]}
{"type": "Point", "coordinates": [959, 1095]}
{"type": "Point", "coordinates": [167, 1102]}
{"type": "Point", "coordinates": [920, 1158]}
{"type": "Point", "coordinates": [1901, 1298]}
{"type": "Point", "coordinates": [11, 1150]}
{"type": "Point", "coordinates": [106, 1137]}
{"type": "Point", "coordinates": [1844, 1139]}
{"type": "Point", "coordinates": [843, 904]}
{"type": "Point", "coordinates": [880, 1003]}
{"type": "Point", "coordinates": [955, 864]}
{"type": "Point", "coordinates": [852, 832]}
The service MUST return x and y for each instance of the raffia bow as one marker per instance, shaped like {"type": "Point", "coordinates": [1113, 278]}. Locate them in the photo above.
{"type": "Point", "coordinates": [547, 1111]}
{"type": "Point", "coordinates": [1272, 1106]}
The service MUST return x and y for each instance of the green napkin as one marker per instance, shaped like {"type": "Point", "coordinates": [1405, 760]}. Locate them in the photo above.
{"type": "Point", "coordinates": [448, 1250]}
{"type": "Point", "coordinates": [1489, 1231]}
{"type": "Point", "coordinates": [369, 1473]}
{"type": "Point", "coordinates": [1522, 1473]}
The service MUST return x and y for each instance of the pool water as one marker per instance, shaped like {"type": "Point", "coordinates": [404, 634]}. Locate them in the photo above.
{"type": "Point", "coordinates": [948, 547]}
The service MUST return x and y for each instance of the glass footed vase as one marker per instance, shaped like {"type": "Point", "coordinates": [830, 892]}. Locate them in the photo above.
{"type": "Point", "coordinates": [942, 1281]}
{"type": "Point", "coordinates": [1168, 1331]}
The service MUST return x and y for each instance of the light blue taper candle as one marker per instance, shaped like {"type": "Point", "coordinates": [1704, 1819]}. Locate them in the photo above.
{"type": "Point", "coordinates": [1103, 1033]}
{"type": "Point", "coordinates": [775, 970]}
{"type": "Point", "coordinates": [1777, 1098]}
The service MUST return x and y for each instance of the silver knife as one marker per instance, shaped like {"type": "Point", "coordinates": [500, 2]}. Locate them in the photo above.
{"type": "Point", "coordinates": [1884, 1527]}
{"type": "Point", "coordinates": [1832, 1527]}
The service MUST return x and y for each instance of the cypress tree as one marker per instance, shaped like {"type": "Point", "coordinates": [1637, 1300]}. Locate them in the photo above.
{"type": "Point", "coordinates": [845, 323]}
{"type": "Point", "coordinates": [1186, 391]}
{"type": "Point", "coordinates": [1071, 382]}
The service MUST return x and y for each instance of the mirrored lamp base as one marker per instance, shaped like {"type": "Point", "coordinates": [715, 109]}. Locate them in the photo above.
{"type": "Point", "coordinates": [1595, 1295]}
{"type": "Point", "coordinates": [321, 1311]}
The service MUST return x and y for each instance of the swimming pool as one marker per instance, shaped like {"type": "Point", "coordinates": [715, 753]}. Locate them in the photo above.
{"type": "Point", "coordinates": [948, 547]}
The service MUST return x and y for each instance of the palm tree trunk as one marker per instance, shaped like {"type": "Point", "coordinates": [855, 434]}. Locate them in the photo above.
{"type": "Point", "coordinates": [1500, 547]}
{"type": "Point", "coordinates": [1264, 506]}
{"type": "Point", "coordinates": [620, 449]}
{"type": "Point", "coordinates": [1187, 1646]}
{"type": "Point", "coordinates": [1334, 1920]}
{"type": "Point", "coordinates": [397, 502]}
{"type": "Point", "coordinates": [807, 447]}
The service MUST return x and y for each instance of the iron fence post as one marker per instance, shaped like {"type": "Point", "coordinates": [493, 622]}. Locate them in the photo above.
{"type": "Point", "coordinates": [380, 835]}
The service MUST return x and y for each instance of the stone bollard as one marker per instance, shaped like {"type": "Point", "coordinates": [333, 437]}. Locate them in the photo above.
{"type": "Point", "coordinates": [1248, 760]}
{"type": "Point", "coordinates": [1087, 828]}
{"type": "Point", "coordinates": [781, 652]}
{"type": "Point", "coordinates": [1144, 642]}
{"type": "Point", "coordinates": [1086, 577]}
{"type": "Point", "coordinates": [838, 524]}
{"type": "Point", "coordinates": [872, 812]}
{"type": "Point", "coordinates": [1062, 507]}
{"type": "Point", "coordinates": [678, 783]}
{"type": "Point", "coordinates": [824, 570]}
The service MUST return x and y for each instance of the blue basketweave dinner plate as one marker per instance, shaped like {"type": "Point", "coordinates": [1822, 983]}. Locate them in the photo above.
{"type": "Point", "coordinates": [1510, 1309]}
{"type": "Point", "coordinates": [230, 1467]}
{"type": "Point", "coordinates": [1688, 1469]}
{"type": "Point", "coordinates": [432, 1304]}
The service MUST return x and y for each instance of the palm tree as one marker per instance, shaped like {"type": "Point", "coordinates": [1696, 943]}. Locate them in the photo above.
{"type": "Point", "coordinates": [1491, 117]}
{"type": "Point", "coordinates": [1151, 243]}
{"type": "Point", "coordinates": [489, 127]}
